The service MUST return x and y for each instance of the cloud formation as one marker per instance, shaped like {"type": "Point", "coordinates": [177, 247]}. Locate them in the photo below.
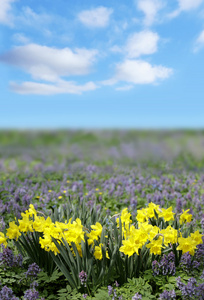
{"type": "Point", "coordinates": [185, 5]}
{"type": "Point", "coordinates": [49, 64]}
{"type": "Point", "coordinates": [5, 7]}
{"type": "Point", "coordinates": [150, 8]}
{"type": "Point", "coordinates": [61, 87]}
{"type": "Point", "coordinates": [97, 17]}
{"type": "Point", "coordinates": [199, 42]}
{"type": "Point", "coordinates": [140, 72]}
{"type": "Point", "coordinates": [28, 17]}
{"type": "Point", "coordinates": [141, 43]}
{"type": "Point", "coordinates": [189, 4]}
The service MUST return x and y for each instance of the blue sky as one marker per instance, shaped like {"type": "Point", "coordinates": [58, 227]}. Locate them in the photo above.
{"type": "Point", "coordinates": [101, 64]}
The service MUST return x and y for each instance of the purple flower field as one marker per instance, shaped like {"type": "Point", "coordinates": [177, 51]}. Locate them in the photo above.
{"type": "Point", "coordinates": [108, 171]}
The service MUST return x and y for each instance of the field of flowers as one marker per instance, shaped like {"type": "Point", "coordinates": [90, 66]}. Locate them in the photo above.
{"type": "Point", "coordinates": [102, 215]}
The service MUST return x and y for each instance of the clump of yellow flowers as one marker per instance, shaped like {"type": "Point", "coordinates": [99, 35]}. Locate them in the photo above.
{"type": "Point", "coordinates": [135, 236]}
{"type": "Point", "coordinates": [152, 236]}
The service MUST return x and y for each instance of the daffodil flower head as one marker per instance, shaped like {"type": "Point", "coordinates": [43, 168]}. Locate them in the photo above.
{"type": "Point", "coordinates": [98, 252]}
{"type": "Point", "coordinates": [167, 214]}
{"type": "Point", "coordinates": [156, 245]}
{"type": "Point", "coordinates": [13, 231]}
{"type": "Point", "coordinates": [3, 239]}
{"type": "Point", "coordinates": [185, 217]}
{"type": "Point", "coordinates": [197, 237]}
{"type": "Point", "coordinates": [186, 245]}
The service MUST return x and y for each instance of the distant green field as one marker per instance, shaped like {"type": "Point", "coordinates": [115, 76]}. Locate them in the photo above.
{"type": "Point", "coordinates": [180, 149]}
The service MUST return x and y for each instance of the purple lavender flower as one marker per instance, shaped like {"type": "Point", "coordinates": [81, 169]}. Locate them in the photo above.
{"type": "Point", "coordinates": [199, 255]}
{"type": "Point", "coordinates": [7, 294]}
{"type": "Point", "coordinates": [185, 262]}
{"type": "Point", "coordinates": [83, 278]}
{"type": "Point", "coordinates": [8, 259]}
{"type": "Point", "coordinates": [202, 224]}
{"type": "Point", "coordinates": [167, 295]}
{"type": "Point", "coordinates": [179, 205]}
{"type": "Point", "coordinates": [166, 266]}
{"type": "Point", "coordinates": [189, 290]}
{"type": "Point", "coordinates": [116, 284]}
{"type": "Point", "coordinates": [32, 271]}
{"type": "Point", "coordinates": [137, 296]}
{"type": "Point", "coordinates": [110, 290]}
{"type": "Point", "coordinates": [200, 291]}
{"type": "Point", "coordinates": [31, 294]}
{"type": "Point", "coordinates": [18, 260]}
{"type": "Point", "coordinates": [155, 267]}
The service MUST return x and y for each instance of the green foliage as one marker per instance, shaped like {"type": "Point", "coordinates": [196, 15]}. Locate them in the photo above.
{"type": "Point", "coordinates": [70, 210]}
{"type": "Point", "coordinates": [136, 285]}
{"type": "Point", "coordinates": [14, 278]}
{"type": "Point", "coordinates": [49, 284]}
{"type": "Point", "coordinates": [69, 293]}
{"type": "Point", "coordinates": [29, 247]}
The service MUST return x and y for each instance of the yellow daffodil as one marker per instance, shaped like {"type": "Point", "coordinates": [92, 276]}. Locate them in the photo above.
{"type": "Point", "coordinates": [150, 210]}
{"type": "Point", "coordinates": [25, 224]}
{"type": "Point", "coordinates": [186, 245]}
{"type": "Point", "coordinates": [141, 216]}
{"type": "Point", "coordinates": [167, 214]}
{"type": "Point", "coordinates": [156, 245]}
{"type": "Point", "coordinates": [95, 234]}
{"type": "Point", "coordinates": [153, 232]}
{"type": "Point", "coordinates": [185, 217]}
{"type": "Point", "coordinates": [125, 217]}
{"type": "Point", "coordinates": [98, 252]}
{"type": "Point", "coordinates": [170, 235]}
{"type": "Point", "coordinates": [13, 231]}
{"type": "Point", "coordinates": [197, 237]}
{"type": "Point", "coordinates": [3, 239]}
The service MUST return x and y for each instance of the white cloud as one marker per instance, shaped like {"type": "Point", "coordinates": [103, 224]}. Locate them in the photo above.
{"type": "Point", "coordinates": [189, 4]}
{"type": "Point", "coordinates": [150, 8]}
{"type": "Point", "coordinates": [46, 63]}
{"type": "Point", "coordinates": [142, 43]}
{"type": "Point", "coordinates": [20, 38]}
{"type": "Point", "coordinates": [185, 5]}
{"type": "Point", "coordinates": [97, 17]}
{"type": "Point", "coordinates": [29, 17]}
{"type": "Point", "coordinates": [199, 42]}
{"type": "Point", "coordinates": [5, 7]}
{"type": "Point", "coordinates": [61, 87]}
{"type": "Point", "coordinates": [138, 72]}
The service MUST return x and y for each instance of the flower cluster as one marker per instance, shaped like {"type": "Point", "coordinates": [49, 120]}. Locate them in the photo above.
{"type": "Point", "coordinates": [8, 259]}
{"type": "Point", "coordinates": [191, 290]}
{"type": "Point", "coordinates": [83, 278]}
{"type": "Point", "coordinates": [167, 295]}
{"type": "Point", "coordinates": [32, 271]}
{"type": "Point", "coordinates": [137, 296]}
{"type": "Point", "coordinates": [112, 292]}
{"type": "Point", "coordinates": [188, 264]}
{"type": "Point", "coordinates": [166, 266]}
{"type": "Point", "coordinates": [31, 294]}
{"type": "Point", "coordinates": [7, 294]}
{"type": "Point", "coordinates": [134, 236]}
{"type": "Point", "coordinates": [152, 236]}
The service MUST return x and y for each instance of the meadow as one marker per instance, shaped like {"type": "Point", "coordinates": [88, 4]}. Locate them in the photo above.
{"type": "Point", "coordinates": [113, 214]}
